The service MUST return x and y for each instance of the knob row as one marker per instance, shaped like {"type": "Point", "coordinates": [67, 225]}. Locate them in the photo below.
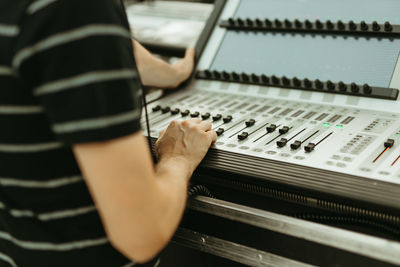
{"type": "Point", "coordinates": [311, 26]}
{"type": "Point", "coordinates": [304, 84]}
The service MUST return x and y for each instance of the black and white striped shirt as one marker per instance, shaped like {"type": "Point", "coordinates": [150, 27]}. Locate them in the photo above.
{"type": "Point", "coordinates": [67, 76]}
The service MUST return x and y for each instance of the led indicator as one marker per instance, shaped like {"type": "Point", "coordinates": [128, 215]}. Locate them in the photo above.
{"type": "Point", "coordinates": [325, 124]}
{"type": "Point", "coordinates": [339, 126]}
{"type": "Point", "coordinates": [398, 134]}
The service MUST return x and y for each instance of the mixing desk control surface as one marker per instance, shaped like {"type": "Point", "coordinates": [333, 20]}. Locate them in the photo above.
{"type": "Point", "coordinates": [314, 110]}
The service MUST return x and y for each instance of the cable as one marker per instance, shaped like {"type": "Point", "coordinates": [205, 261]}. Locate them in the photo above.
{"type": "Point", "coordinates": [146, 115]}
{"type": "Point", "coordinates": [199, 190]}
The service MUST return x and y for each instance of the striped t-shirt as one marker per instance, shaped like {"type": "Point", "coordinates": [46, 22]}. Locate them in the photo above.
{"type": "Point", "coordinates": [67, 76]}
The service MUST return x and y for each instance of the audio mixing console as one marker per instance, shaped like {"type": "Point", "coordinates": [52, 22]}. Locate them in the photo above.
{"type": "Point", "coordinates": [307, 107]}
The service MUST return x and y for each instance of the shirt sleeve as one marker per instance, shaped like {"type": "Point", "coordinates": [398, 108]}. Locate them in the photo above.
{"type": "Point", "coordinates": [77, 59]}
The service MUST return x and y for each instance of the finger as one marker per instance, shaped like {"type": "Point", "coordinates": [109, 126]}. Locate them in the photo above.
{"type": "Point", "coordinates": [195, 120]}
{"type": "Point", "coordinates": [161, 134]}
{"type": "Point", "coordinates": [189, 53]}
{"type": "Point", "coordinates": [213, 136]}
{"type": "Point", "coordinates": [205, 126]}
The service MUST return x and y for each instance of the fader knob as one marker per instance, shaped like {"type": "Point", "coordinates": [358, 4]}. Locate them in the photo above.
{"type": "Point", "coordinates": [295, 145]}
{"type": "Point", "coordinates": [363, 26]}
{"type": "Point", "coordinates": [330, 25]}
{"type": "Point", "coordinates": [342, 86]}
{"type": "Point", "coordinates": [165, 110]}
{"type": "Point", "coordinates": [319, 84]}
{"type": "Point", "coordinates": [271, 128]}
{"type": "Point", "coordinates": [330, 85]}
{"type": "Point", "coordinates": [319, 24]}
{"type": "Point", "coordinates": [285, 81]}
{"type": "Point", "coordinates": [388, 26]}
{"type": "Point", "coordinates": [389, 143]}
{"type": "Point", "coordinates": [265, 79]}
{"type": "Point", "coordinates": [220, 131]}
{"type": "Point", "coordinates": [226, 75]}
{"type": "Point", "coordinates": [367, 89]}
{"type": "Point", "coordinates": [307, 83]}
{"type": "Point", "coordinates": [352, 25]}
{"type": "Point", "coordinates": [275, 80]}
{"type": "Point", "coordinates": [235, 76]}
{"type": "Point", "coordinates": [195, 114]}
{"type": "Point", "coordinates": [375, 26]}
{"type": "Point", "coordinates": [207, 73]}
{"type": "Point", "coordinates": [175, 111]}
{"type": "Point", "coordinates": [268, 23]}
{"type": "Point", "coordinates": [259, 22]}
{"type": "Point", "coordinates": [278, 23]}
{"type": "Point", "coordinates": [156, 108]}
{"type": "Point", "coordinates": [354, 88]}
{"type": "Point", "coordinates": [282, 142]}
{"type": "Point", "coordinates": [185, 113]}
{"type": "Point", "coordinates": [245, 77]}
{"type": "Point", "coordinates": [255, 78]}
{"type": "Point", "coordinates": [288, 24]}
{"type": "Point", "coordinates": [341, 25]}
{"type": "Point", "coordinates": [250, 122]}
{"type": "Point", "coordinates": [243, 135]}
{"type": "Point", "coordinates": [217, 117]}
{"type": "Point", "coordinates": [206, 116]}
{"type": "Point", "coordinates": [216, 74]}
{"type": "Point", "coordinates": [298, 24]}
{"type": "Point", "coordinates": [284, 130]}
{"type": "Point", "coordinates": [227, 119]}
{"type": "Point", "coordinates": [296, 82]}
{"type": "Point", "coordinates": [309, 25]}
{"type": "Point", "coordinates": [231, 22]}
{"type": "Point", "coordinates": [249, 22]}
{"type": "Point", "coordinates": [240, 22]}
{"type": "Point", "coordinates": [310, 147]}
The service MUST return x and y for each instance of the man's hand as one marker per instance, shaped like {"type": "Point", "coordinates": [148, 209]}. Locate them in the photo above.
{"type": "Point", "coordinates": [158, 73]}
{"type": "Point", "coordinates": [187, 141]}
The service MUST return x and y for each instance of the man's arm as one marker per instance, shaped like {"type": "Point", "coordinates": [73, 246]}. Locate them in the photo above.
{"type": "Point", "coordinates": [158, 73]}
{"type": "Point", "coordinates": [140, 205]}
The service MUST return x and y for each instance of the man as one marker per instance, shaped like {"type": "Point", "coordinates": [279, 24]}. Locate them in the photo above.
{"type": "Point", "coordinates": [69, 116]}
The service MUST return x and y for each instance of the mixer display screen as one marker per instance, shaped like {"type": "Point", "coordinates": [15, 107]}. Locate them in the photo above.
{"type": "Point", "coordinates": [325, 57]}
{"type": "Point", "coordinates": [357, 10]}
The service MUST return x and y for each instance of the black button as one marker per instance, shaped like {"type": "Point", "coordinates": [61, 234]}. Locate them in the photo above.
{"type": "Point", "coordinates": [243, 136]}
{"type": "Point", "coordinates": [298, 24]}
{"type": "Point", "coordinates": [207, 73]}
{"type": "Point", "coordinates": [217, 117]}
{"type": "Point", "coordinates": [284, 130]}
{"type": "Point", "coordinates": [235, 76]}
{"type": "Point", "coordinates": [282, 142]}
{"type": "Point", "coordinates": [271, 128]}
{"type": "Point", "coordinates": [175, 111]}
{"type": "Point", "coordinates": [319, 84]}
{"type": "Point", "coordinates": [268, 23]}
{"type": "Point", "coordinates": [195, 114]}
{"type": "Point", "coordinates": [310, 147]}
{"type": "Point", "coordinates": [259, 22]}
{"type": "Point", "coordinates": [330, 85]}
{"type": "Point", "coordinates": [319, 24]}
{"type": "Point", "coordinates": [165, 110]}
{"type": "Point", "coordinates": [342, 86]}
{"type": "Point", "coordinates": [255, 78]}
{"type": "Point", "coordinates": [389, 143]}
{"type": "Point", "coordinates": [250, 122]}
{"type": "Point", "coordinates": [363, 26]}
{"type": "Point", "coordinates": [309, 25]}
{"type": "Point", "coordinates": [388, 26]}
{"type": "Point", "coordinates": [185, 113]}
{"type": "Point", "coordinates": [307, 83]}
{"type": "Point", "coordinates": [295, 145]}
{"type": "Point", "coordinates": [278, 23]}
{"type": "Point", "coordinates": [285, 81]}
{"type": "Point", "coordinates": [220, 131]}
{"type": "Point", "coordinates": [216, 74]}
{"type": "Point", "coordinates": [227, 119]}
{"type": "Point", "coordinates": [367, 89]}
{"type": "Point", "coordinates": [375, 26]}
{"type": "Point", "coordinates": [354, 88]}
{"type": "Point", "coordinates": [240, 22]}
{"type": "Point", "coordinates": [265, 79]}
{"type": "Point", "coordinates": [226, 75]}
{"type": "Point", "coordinates": [275, 80]}
{"type": "Point", "coordinates": [288, 24]}
{"type": "Point", "coordinates": [341, 25]}
{"type": "Point", "coordinates": [296, 82]}
{"type": "Point", "coordinates": [156, 108]}
{"type": "Point", "coordinates": [330, 25]}
{"type": "Point", "coordinates": [245, 77]}
{"type": "Point", "coordinates": [205, 116]}
{"type": "Point", "coordinates": [352, 25]}
{"type": "Point", "coordinates": [249, 22]}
